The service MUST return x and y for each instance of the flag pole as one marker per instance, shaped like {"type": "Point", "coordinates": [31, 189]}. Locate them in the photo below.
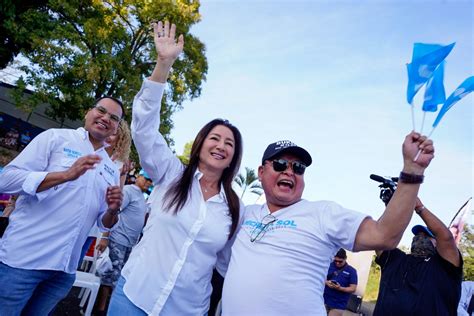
{"type": "Point", "coordinates": [454, 217]}
{"type": "Point", "coordinates": [413, 115]}
{"type": "Point", "coordinates": [419, 151]}
{"type": "Point", "coordinates": [422, 122]}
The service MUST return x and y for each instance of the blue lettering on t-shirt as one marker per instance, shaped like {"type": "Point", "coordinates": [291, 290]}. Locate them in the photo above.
{"type": "Point", "coordinates": [70, 153]}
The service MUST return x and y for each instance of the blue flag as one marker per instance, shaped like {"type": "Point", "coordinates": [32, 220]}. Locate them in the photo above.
{"type": "Point", "coordinates": [464, 89]}
{"type": "Point", "coordinates": [434, 91]}
{"type": "Point", "coordinates": [421, 69]}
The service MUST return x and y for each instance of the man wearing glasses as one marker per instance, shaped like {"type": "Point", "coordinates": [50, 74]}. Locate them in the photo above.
{"type": "Point", "coordinates": [282, 252]}
{"type": "Point", "coordinates": [66, 182]}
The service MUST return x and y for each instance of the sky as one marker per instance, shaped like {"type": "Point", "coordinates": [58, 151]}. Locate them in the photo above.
{"type": "Point", "coordinates": [331, 77]}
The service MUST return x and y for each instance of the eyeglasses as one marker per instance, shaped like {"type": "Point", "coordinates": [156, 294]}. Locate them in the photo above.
{"type": "Point", "coordinates": [280, 165]}
{"type": "Point", "coordinates": [260, 230]}
{"type": "Point", "coordinates": [103, 111]}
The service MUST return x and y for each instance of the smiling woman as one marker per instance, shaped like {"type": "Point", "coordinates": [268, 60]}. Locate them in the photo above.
{"type": "Point", "coordinates": [194, 213]}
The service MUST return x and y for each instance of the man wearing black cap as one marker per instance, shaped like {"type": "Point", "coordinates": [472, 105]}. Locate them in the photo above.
{"type": "Point", "coordinates": [428, 280]}
{"type": "Point", "coordinates": [283, 250]}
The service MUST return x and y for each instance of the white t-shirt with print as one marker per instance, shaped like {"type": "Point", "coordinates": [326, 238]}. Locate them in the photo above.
{"type": "Point", "coordinates": [283, 272]}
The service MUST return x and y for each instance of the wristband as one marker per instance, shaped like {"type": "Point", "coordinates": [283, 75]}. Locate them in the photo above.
{"type": "Point", "coordinates": [104, 237]}
{"type": "Point", "coordinates": [420, 209]}
{"type": "Point", "coordinates": [410, 178]}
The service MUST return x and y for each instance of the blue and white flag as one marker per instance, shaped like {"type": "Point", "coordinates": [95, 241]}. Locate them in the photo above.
{"type": "Point", "coordinates": [464, 89]}
{"type": "Point", "coordinates": [434, 91]}
{"type": "Point", "coordinates": [421, 69]}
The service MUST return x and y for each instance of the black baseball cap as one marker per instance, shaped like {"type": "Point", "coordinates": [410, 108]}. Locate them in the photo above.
{"type": "Point", "coordinates": [286, 146]}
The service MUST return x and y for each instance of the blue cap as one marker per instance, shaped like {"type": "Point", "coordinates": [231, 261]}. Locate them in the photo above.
{"type": "Point", "coordinates": [144, 174]}
{"type": "Point", "coordinates": [420, 228]}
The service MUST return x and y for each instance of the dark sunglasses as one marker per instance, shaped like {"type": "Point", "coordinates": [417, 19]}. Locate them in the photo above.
{"type": "Point", "coordinates": [280, 165]}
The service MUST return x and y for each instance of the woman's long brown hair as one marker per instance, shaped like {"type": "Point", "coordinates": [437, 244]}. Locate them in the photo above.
{"type": "Point", "coordinates": [178, 193]}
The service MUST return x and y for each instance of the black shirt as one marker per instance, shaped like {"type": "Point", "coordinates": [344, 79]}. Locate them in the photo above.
{"type": "Point", "coordinates": [417, 286]}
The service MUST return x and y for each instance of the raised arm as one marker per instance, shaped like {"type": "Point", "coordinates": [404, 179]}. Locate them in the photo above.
{"type": "Point", "coordinates": [386, 232]}
{"type": "Point", "coordinates": [445, 244]}
{"type": "Point", "coordinates": [167, 48]}
{"type": "Point", "coordinates": [156, 158]}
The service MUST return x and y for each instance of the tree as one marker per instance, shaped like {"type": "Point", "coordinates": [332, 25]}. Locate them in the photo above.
{"type": "Point", "coordinates": [466, 246]}
{"type": "Point", "coordinates": [95, 48]}
{"type": "Point", "coordinates": [186, 152]}
{"type": "Point", "coordinates": [249, 182]}
{"type": "Point", "coordinates": [14, 32]}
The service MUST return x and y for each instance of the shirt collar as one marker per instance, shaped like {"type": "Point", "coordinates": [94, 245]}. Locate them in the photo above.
{"type": "Point", "coordinates": [198, 175]}
{"type": "Point", "coordinates": [85, 135]}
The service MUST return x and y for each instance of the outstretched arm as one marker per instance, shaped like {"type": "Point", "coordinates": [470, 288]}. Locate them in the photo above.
{"type": "Point", "coordinates": [386, 232]}
{"type": "Point", "coordinates": [445, 244]}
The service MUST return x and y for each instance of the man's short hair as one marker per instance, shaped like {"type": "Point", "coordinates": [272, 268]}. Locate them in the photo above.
{"type": "Point", "coordinates": [113, 99]}
{"type": "Point", "coordinates": [341, 253]}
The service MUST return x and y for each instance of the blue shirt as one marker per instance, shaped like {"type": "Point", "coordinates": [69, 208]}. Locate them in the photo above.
{"type": "Point", "coordinates": [345, 276]}
{"type": "Point", "coordinates": [47, 229]}
{"type": "Point", "coordinates": [132, 217]}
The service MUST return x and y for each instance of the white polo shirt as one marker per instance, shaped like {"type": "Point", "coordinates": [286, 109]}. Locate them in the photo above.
{"type": "Point", "coordinates": [48, 229]}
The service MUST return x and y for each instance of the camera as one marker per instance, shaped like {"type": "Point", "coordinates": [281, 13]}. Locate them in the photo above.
{"type": "Point", "coordinates": [387, 187]}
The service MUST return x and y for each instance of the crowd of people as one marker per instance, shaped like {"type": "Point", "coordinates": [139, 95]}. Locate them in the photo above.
{"type": "Point", "coordinates": [283, 257]}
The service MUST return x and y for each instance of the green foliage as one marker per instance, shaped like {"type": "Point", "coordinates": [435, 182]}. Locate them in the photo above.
{"type": "Point", "coordinates": [249, 182]}
{"type": "Point", "coordinates": [372, 288]}
{"type": "Point", "coordinates": [16, 26]}
{"type": "Point", "coordinates": [92, 48]}
{"type": "Point", "coordinates": [186, 153]}
{"type": "Point", "coordinates": [466, 246]}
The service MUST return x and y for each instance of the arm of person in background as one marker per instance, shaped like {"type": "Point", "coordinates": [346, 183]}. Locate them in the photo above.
{"type": "Point", "coordinates": [10, 207]}
{"type": "Point", "coordinates": [124, 171]}
{"type": "Point", "coordinates": [103, 242]}
{"type": "Point", "coordinates": [445, 244]}
{"type": "Point", "coordinates": [156, 158]}
{"type": "Point", "coordinates": [386, 232]}
{"type": "Point", "coordinates": [113, 198]}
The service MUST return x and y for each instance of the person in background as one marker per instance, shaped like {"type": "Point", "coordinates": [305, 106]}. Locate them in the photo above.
{"type": "Point", "coordinates": [7, 211]}
{"type": "Point", "coordinates": [428, 280]}
{"type": "Point", "coordinates": [466, 303]}
{"type": "Point", "coordinates": [118, 148]}
{"type": "Point", "coordinates": [123, 237]}
{"type": "Point", "coordinates": [66, 182]}
{"type": "Point", "coordinates": [341, 282]}
{"type": "Point", "coordinates": [194, 210]}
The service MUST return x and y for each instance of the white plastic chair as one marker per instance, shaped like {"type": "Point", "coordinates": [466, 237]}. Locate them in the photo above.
{"type": "Point", "coordinates": [89, 283]}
